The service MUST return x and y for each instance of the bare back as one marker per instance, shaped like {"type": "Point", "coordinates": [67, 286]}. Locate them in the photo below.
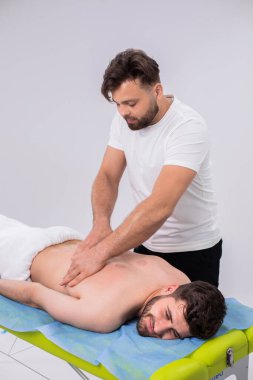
{"type": "Point", "coordinates": [120, 287]}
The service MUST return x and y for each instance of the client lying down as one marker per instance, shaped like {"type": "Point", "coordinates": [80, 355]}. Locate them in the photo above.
{"type": "Point", "coordinates": [167, 304]}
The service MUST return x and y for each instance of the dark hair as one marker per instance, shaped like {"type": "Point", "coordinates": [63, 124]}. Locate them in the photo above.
{"type": "Point", "coordinates": [205, 307]}
{"type": "Point", "coordinates": [130, 64]}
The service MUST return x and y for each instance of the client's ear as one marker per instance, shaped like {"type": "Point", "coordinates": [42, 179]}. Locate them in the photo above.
{"type": "Point", "coordinates": [168, 290]}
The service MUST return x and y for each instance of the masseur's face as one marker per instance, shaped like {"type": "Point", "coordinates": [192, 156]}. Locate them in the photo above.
{"type": "Point", "coordinates": [163, 317]}
{"type": "Point", "coordinates": [138, 105]}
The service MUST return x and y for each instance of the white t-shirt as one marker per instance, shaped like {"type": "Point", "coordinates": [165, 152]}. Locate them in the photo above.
{"type": "Point", "coordinates": [179, 138]}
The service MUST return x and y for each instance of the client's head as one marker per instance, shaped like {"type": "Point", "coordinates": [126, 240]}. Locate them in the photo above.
{"type": "Point", "coordinates": [196, 310]}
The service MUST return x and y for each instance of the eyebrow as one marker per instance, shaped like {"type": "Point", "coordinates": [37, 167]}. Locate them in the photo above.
{"type": "Point", "coordinates": [176, 333]}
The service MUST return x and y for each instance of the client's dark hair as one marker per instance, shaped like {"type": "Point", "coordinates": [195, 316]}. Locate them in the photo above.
{"type": "Point", "coordinates": [130, 64]}
{"type": "Point", "coordinates": [205, 307]}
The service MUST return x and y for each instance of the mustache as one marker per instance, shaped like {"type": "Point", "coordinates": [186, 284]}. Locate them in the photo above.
{"type": "Point", "coordinates": [130, 118]}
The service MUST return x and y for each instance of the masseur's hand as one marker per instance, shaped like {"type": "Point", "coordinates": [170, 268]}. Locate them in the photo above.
{"type": "Point", "coordinates": [84, 264]}
{"type": "Point", "coordinates": [86, 260]}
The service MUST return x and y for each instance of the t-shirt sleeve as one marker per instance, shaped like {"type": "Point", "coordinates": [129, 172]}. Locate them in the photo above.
{"type": "Point", "coordinates": [187, 145]}
{"type": "Point", "coordinates": [115, 139]}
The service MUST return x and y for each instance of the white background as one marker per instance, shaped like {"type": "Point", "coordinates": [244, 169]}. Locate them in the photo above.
{"type": "Point", "coordinates": [54, 123]}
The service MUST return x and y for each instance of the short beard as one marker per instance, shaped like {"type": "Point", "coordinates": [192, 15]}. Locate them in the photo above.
{"type": "Point", "coordinates": [146, 120]}
{"type": "Point", "coordinates": [145, 313]}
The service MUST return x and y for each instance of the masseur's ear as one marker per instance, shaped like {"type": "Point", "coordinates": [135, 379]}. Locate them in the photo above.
{"type": "Point", "coordinates": [158, 89]}
{"type": "Point", "coordinates": [168, 290]}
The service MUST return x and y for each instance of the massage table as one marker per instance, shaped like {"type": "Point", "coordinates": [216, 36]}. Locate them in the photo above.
{"type": "Point", "coordinates": [215, 359]}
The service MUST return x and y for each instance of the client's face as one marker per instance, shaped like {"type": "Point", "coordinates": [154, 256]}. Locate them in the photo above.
{"type": "Point", "coordinates": [163, 317]}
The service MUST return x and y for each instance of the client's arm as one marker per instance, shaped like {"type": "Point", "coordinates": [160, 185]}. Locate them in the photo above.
{"type": "Point", "coordinates": [64, 308]}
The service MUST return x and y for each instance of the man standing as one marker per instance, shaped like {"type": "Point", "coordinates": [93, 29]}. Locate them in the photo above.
{"type": "Point", "coordinates": [165, 146]}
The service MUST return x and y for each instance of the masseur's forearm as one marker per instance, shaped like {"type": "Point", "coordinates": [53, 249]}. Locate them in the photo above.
{"type": "Point", "coordinates": [104, 196]}
{"type": "Point", "coordinates": [144, 220]}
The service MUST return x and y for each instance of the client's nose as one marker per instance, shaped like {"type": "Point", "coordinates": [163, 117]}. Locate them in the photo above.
{"type": "Point", "coordinates": [161, 327]}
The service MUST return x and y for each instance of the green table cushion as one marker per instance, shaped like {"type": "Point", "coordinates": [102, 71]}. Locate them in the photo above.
{"type": "Point", "coordinates": [213, 353]}
{"type": "Point", "coordinates": [182, 369]}
{"type": "Point", "coordinates": [249, 334]}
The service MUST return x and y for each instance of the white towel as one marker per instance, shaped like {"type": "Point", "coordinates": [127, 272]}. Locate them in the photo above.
{"type": "Point", "coordinates": [19, 244]}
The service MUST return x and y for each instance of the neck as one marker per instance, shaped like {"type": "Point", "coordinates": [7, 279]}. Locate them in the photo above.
{"type": "Point", "coordinates": [164, 106]}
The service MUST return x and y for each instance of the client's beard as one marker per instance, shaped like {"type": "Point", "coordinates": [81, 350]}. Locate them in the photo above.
{"type": "Point", "coordinates": [145, 313]}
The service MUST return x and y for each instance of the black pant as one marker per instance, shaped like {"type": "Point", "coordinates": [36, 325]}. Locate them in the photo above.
{"type": "Point", "coordinates": [197, 265]}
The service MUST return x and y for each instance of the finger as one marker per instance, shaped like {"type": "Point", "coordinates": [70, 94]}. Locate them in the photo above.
{"type": "Point", "coordinates": [79, 278]}
{"type": "Point", "coordinates": [70, 275]}
{"type": "Point", "coordinates": [73, 268]}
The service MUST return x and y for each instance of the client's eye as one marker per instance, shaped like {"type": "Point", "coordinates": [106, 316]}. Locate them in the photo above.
{"type": "Point", "coordinates": [168, 315]}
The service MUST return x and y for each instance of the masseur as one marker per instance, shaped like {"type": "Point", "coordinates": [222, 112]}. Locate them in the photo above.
{"type": "Point", "coordinates": [169, 306]}
{"type": "Point", "coordinates": [165, 146]}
